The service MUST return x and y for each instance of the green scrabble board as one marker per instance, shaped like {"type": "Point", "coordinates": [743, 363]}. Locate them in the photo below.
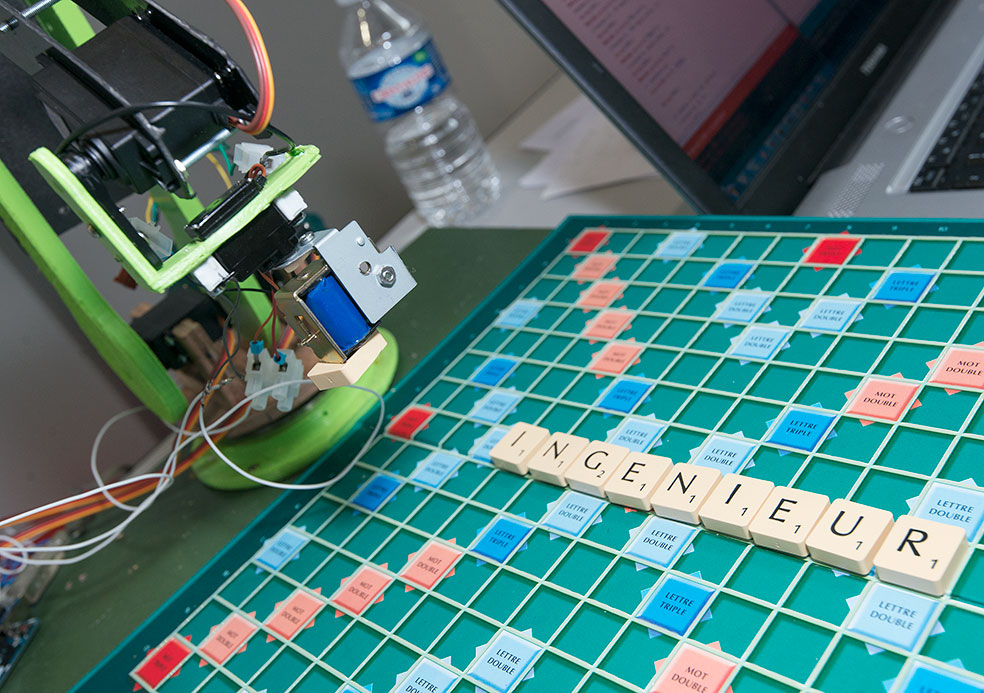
{"type": "Point", "coordinates": [701, 339]}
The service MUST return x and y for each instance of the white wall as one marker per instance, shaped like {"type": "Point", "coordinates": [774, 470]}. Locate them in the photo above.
{"type": "Point", "coordinates": [56, 392]}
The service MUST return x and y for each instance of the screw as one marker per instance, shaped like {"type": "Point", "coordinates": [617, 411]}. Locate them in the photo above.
{"type": "Point", "coordinates": [365, 267]}
{"type": "Point", "coordinates": [305, 238]}
{"type": "Point", "coordinates": [387, 276]}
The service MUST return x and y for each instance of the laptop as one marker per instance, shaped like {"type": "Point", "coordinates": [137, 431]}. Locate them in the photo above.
{"type": "Point", "coordinates": [815, 107]}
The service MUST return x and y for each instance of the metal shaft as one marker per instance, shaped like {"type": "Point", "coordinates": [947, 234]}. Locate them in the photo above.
{"type": "Point", "coordinates": [28, 13]}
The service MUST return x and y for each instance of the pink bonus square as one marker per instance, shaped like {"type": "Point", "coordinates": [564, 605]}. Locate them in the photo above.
{"type": "Point", "coordinates": [431, 564]}
{"type": "Point", "coordinates": [359, 592]}
{"type": "Point", "coordinates": [961, 367]}
{"type": "Point", "coordinates": [883, 399]}
{"type": "Point", "coordinates": [615, 358]}
{"type": "Point", "coordinates": [601, 295]}
{"type": "Point", "coordinates": [693, 670]}
{"type": "Point", "coordinates": [291, 616]}
{"type": "Point", "coordinates": [225, 641]}
{"type": "Point", "coordinates": [594, 267]}
{"type": "Point", "coordinates": [607, 325]}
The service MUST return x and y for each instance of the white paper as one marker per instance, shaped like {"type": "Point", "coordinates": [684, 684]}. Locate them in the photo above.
{"type": "Point", "coordinates": [585, 151]}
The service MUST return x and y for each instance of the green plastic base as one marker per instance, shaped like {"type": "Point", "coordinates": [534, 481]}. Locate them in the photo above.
{"type": "Point", "coordinates": [288, 447]}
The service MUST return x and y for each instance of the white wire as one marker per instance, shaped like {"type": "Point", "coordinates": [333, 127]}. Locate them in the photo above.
{"type": "Point", "coordinates": [164, 479]}
{"type": "Point", "coordinates": [95, 452]}
{"type": "Point", "coordinates": [294, 487]}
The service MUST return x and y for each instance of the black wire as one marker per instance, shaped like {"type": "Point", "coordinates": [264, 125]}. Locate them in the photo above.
{"type": "Point", "coordinates": [225, 331]}
{"type": "Point", "coordinates": [282, 135]}
{"type": "Point", "coordinates": [138, 108]}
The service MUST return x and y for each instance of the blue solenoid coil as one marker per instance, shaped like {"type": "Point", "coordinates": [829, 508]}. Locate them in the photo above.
{"type": "Point", "coordinates": [337, 313]}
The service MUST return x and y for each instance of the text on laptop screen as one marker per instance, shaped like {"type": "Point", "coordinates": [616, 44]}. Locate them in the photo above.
{"type": "Point", "coordinates": [727, 80]}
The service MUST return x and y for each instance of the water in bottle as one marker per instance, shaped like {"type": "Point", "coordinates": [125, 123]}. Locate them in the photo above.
{"type": "Point", "coordinates": [430, 135]}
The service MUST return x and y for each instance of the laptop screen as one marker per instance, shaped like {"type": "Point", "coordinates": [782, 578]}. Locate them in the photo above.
{"type": "Point", "coordinates": [726, 83]}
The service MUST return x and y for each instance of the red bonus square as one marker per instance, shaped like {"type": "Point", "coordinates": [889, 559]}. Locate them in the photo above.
{"type": "Point", "coordinates": [588, 241]}
{"type": "Point", "coordinates": [832, 251]}
{"type": "Point", "coordinates": [409, 422]}
{"type": "Point", "coordinates": [163, 662]}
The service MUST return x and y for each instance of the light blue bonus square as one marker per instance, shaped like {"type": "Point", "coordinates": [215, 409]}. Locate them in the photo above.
{"type": "Point", "coordinates": [483, 447]}
{"type": "Point", "coordinates": [660, 541]}
{"type": "Point", "coordinates": [741, 306]}
{"type": "Point", "coordinates": [435, 468]}
{"type": "Point", "coordinates": [504, 662]}
{"type": "Point", "coordinates": [493, 371]}
{"type": "Point", "coordinates": [429, 677]}
{"type": "Point", "coordinates": [637, 435]}
{"type": "Point", "coordinates": [904, 286]}
{"type": "Point", "coordinates": [624, 395]}
{"type": "Point", "coordinates": [494, 406]}
{"type": "Point", "coordinates": [893, 616]}
{"type": "Point", "coordinates": [573, 513]}
{"type": "Point", "coordinates": [760, 342]}
{"type": "Point", "coordinates": [830, 314]}
{"type": "Point", "coordinates": [727, 275]}
{"type": "Point", "coordinates": [680, 244]}
{"type": "Point", "coordinates": [376, 492]}
{"type": "Point", "coordinates": [500, 539]}
{"type": "Point", "coordinates": [281, 549]}
{"type": "Point", "coordinates": [518, 314]}
{"type": "Point", "coordinates": [727, 455]}
{"type": "Point", "coordinates": [676, 604]}
{"type": "Point", "coordinates": [959, 506]}
{"type": "Point", "coordinates": [801, 429]}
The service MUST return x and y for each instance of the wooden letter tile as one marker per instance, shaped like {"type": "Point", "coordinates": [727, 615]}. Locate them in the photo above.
{"type": "Point", "coordinates": [593, 467]}
{"type": "Point", "coordinates": [634, 480]}
{"type": "Point", "coordinates": [922, 555]}
{"type": "Point", "coordinates": [786, 519]}
{"type": "Point", "coordinates": [733, 503]}
{"type": "Point", "coordinates": [549, 463]}
{"type": "Point", "coordinates": [683, 490]}
{"type": "Point", "coordinates": [514, 451]}
{"type": "Point", "coordinates": [848, 536]}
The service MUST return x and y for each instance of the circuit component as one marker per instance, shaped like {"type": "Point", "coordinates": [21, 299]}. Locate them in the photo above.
{"type": "Point", "coordinates": [14, 639]}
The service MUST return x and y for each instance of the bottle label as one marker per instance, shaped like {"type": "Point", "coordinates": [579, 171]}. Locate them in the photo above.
{"type": "Point", "coordinates": [414, 81]}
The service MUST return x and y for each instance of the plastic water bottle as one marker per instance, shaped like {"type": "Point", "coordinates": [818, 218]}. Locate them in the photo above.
{"type": "Point", "coordinates": [430, 136]}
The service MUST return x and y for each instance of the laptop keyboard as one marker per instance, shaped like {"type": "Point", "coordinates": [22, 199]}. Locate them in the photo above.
{"type": "Point", "coordinates": [957, 159]}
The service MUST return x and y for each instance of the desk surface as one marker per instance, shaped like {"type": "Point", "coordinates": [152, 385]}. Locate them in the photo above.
{"type": "Point", "coordinates": [93, 606]}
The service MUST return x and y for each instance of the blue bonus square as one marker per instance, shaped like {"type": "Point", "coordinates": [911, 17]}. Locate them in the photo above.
{"type": "Point", "coordinates": [504, 662]}
{"type": "Point", "coordinates": [482, 448]}
{"type": "Point", "coordinates": [676, 604]}
{"type": "Point", "coordinates": [623, 395]}
{"type": "Point", "coordinates": [893, 616]}
{"type": "Point", "coordinates": [660, 541]}
{"type": "Point", "coordinates": [376, 492]}
{"type": "Point", "coordinates": [954, 505]}
{"type": "Point", "coordinates": [727, 275]}
{"type": "Point", "coordinates": [741, 306]}
{"type": "Point", "coordinates": [493, 371]}
{"type": "Point", "coordinates": [904, 286]}
{"type": "Point", "coordinates": [801, 429]}
{"type": "Point", "coordinates": [925, 679]}
{"type": "Point", "coordinates": [500, 539]}
{"type": "Point", "coordinates": [435, 468]}
{"type": "Point", "coordinates": [680, 244]}
{"type": "Point", "coordinates": [281, 549]}
{"type": "Point", "coordinates": [573, 513]}
{"type": "Point", "coordinates": [832, 314]}
{"type": "Point", "coordinates": [759, 342]}
{"type": "Point", "coordinates": [518, 314]}
{"type": "Point", "coordinates": [427, 676]}
{"type": "Point", "coordinates": [636, 435]}
{"type": "Point", "coordinates": [494, 406]}
{"type": "Point", "coordinates": [727, 455]}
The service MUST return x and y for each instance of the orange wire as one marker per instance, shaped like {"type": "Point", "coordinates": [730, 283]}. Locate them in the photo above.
{"type": "Point", "coordinates": [264, 108]}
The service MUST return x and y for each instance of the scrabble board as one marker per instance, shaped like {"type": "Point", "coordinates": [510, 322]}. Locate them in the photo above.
{"type": "Point", "coordinates": [844, 359]}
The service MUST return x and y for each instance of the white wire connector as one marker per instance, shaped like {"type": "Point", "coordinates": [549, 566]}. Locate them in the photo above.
{"type": "Point", "coordinates": [261, 374]}
{"type": "Point", "coordinates": [289, 370]}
